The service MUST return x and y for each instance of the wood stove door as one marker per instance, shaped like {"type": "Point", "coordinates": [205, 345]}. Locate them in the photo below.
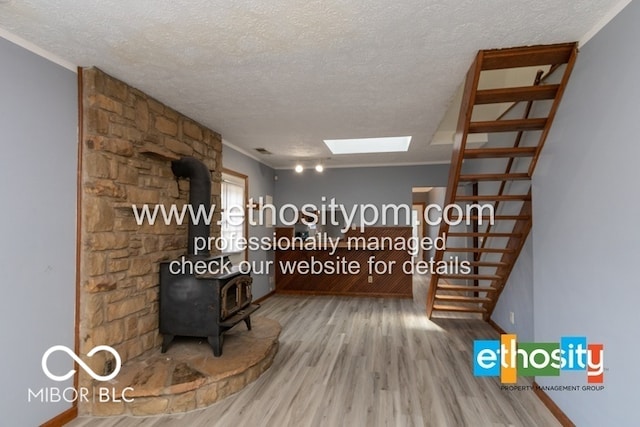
{"type": "Point", "coordinates": [235, 295]}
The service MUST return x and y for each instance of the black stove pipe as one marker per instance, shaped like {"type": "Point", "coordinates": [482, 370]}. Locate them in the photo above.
{"type": "Point", "coordinates": [199, 194]}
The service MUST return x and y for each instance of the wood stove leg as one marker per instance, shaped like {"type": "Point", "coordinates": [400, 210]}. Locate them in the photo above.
{"type": "Point", "coordinates": [247, 320]}
{"type": "Point", "coordinates": [166, 340]}
{"type": "Point", "coordinates": [215, 341]}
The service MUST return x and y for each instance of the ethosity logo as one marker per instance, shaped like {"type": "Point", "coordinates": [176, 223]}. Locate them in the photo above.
{"type": "Point", "coordinates": [508, 358]}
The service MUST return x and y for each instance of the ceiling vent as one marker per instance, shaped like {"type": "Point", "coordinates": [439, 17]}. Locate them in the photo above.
{"type": "Point", "coordinates": [263, 151]}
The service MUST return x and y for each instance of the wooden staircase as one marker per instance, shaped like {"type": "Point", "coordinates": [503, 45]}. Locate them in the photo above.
{"type": "Point", "coordinates": [497, 173]}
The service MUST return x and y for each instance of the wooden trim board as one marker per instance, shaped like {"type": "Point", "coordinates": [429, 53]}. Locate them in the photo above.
{"type": "Point", "coordinates": [495, 326]}
{"type": "Point", "coordinates": [544, 397]}
{"type": "Point", "coordinates": [62, 418]}
{"type": "Point", "coordinates": [264, 297]}
{"type": "Point", "coordinates": [551, 405]}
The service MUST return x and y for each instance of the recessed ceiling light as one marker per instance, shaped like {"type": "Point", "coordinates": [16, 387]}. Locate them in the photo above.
{"type": "Point", "coordinates": [299, 168]}
{"type": "Point", "coordinates": [368, 145]}
{"type": "Point", "coordinates": [319, 167]}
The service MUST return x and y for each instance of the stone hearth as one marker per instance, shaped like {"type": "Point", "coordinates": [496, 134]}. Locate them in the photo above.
{"type": "Point", "coordinates": [188, 376]}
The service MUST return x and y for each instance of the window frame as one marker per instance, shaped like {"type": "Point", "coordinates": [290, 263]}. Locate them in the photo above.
{"type": "Point", "coordinates": [245, 179]}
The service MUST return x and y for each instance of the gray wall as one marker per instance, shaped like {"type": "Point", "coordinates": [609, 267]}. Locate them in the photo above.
{"type": "Point", "coordinates": [517, 297]}
{"type": "Point", "coordinates": [436, 197]}
{"type": "Point", "coordinates": [38, 122]}
{"type": "Point", "coordinates": [355, 186]}
{"type": "Point", "coordinates": [261, 183]}
{"type": "Point", "coordinates": [586, 235]}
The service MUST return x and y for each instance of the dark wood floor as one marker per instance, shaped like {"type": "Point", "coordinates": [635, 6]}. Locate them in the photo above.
{"type": "Point", "coordinates": [364, 362]}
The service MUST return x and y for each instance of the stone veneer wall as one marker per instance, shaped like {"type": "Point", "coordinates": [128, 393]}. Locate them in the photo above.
{"type": "Point", "coordinates": [128, 140]}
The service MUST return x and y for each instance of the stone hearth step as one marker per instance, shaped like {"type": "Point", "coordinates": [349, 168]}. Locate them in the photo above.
{"type": "Point", "coordinates": [188, 376]}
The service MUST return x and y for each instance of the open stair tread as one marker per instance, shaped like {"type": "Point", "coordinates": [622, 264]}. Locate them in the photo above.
{"type": "Point", "coordinates": [495, 177]}
{"type": "Point", "coordinates": [462, 299]}
{"type": "Point", "coordinates": [516, 94]}
{"type": "Point", "coordinates": [495, 217]}
{"type": "Point", "coordinates": [497, 197]}
{"type": "Point", "coordinates": [471, 276]}
{"type": "Point", "coordinates": [487, 250]}
{"type": "Point", "coordinates": [464, 288]}
{"type": "Point", "coordinates": [458, 308]}
{"type": "Point", "coordinates": [512, 125]}
{"type": "Point", "coordinates": [488, 264]}
{"type": "Point", "coordinates": [496, 153]}
{"type": "Point", "coordinates": [483, 235]}
{"type": "Point", "coordinates": [529, 56]}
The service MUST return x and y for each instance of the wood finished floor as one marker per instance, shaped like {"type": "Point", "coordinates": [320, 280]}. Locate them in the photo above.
{"type": "Point", "coordinates": [364, 362]}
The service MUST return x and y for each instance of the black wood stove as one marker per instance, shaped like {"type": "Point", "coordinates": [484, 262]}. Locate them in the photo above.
{"type": "Point", "coordinates": [201, 305]}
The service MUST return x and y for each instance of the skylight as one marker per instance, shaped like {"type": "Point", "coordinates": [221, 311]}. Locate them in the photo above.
{"type": "Point", "coordinates": [368, 145]}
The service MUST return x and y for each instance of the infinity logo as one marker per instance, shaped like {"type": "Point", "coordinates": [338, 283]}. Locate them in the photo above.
{"type": "Point", "coordinates": [84, 366]}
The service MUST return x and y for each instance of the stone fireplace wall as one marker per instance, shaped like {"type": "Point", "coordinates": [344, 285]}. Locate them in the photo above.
{"type": "Point", "coordinates": [128, 141]}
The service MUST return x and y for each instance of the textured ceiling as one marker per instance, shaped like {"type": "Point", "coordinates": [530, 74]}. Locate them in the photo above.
{"type": "Point", "coordinates": [284, 75]}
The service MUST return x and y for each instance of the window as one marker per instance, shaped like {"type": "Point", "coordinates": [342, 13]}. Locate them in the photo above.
{"type": "Point", "coordinates": [233, 226]}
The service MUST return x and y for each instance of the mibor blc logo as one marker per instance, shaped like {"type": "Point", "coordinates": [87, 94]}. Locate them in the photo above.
{"type": "Point", "coordinates": [82, 394]}
{"type": "Point", "coordinates": [85, 367]}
